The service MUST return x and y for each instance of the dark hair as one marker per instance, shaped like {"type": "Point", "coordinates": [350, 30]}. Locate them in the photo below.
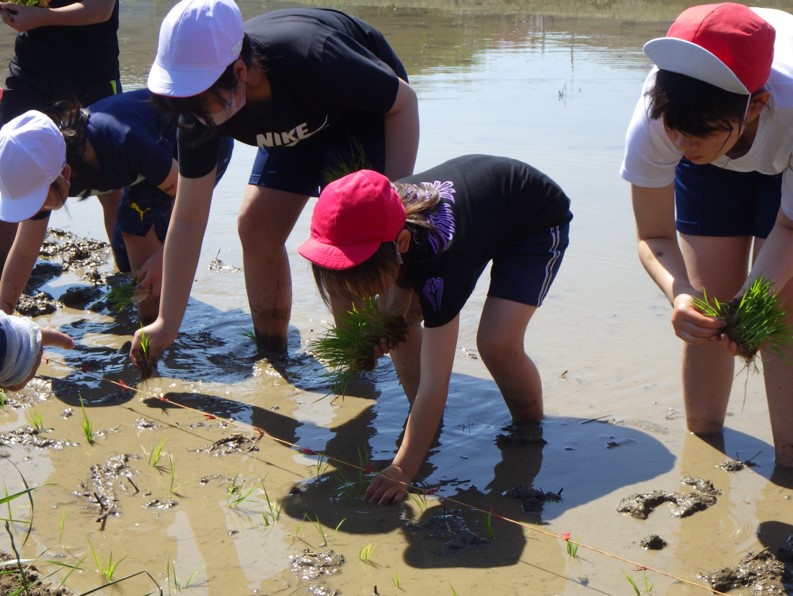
{"type": "Point", "coordinates": [363, 280]}
{"type": "Point", "coordinates": [72, 120]}
{"type": "Point", "coordinates": [366, 279]}
{"type": "Point", "coordinates": [694, 107]}
{"type": "Point", "coordinates": [191, 111]}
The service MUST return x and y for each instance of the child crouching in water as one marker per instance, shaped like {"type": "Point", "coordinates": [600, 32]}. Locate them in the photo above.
{"type": "Point", "coordinates": [421, 244]}
{"type": "Point", "coordinates": [21, 346]}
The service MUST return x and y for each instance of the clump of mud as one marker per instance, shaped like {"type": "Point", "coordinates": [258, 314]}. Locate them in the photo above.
{"type": "Point", "coordinates": [451, 529]}
{"type": "Point", "coordinates": [29, 436]}
{"type": "Point", "coordinates": [31, 584]}
{"type": "Point", "coordinates": [640, 505]}
{"type": "Point", "coordinates": [235, 443]}
{"type": "Point", "coordinates": [652, 542]}
{"type": "Point", "coordinates": [35, 305]}
{"type": "Point", "coordinates": [311, 567]}
{"type": "Point", "coordinates": [104, 479]}
{"type": "Point", "coordinates": [533, 499]}
{"type": "Point", "coordinates": [761, 573]}
{"type": "Point", "coordinates": [74, 252]}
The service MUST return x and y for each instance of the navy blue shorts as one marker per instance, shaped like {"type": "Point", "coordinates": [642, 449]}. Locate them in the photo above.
{"type": "Point", "coordinates": [525, 269]}
{"type": "Point", "coordinates": [307, 167]}
{"type": "Point", "coordinates": [712, 201]}
{"type": "Point", "coordinates": [144, 205]}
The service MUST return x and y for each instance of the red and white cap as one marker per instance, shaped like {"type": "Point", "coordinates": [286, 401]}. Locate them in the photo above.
{"type": "Point", "coordinates": [727, 45]}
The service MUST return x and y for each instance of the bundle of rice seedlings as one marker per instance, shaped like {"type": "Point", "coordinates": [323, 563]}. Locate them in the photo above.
{"type": "Point", "coordinates": [753, 320]}
{"type": "Point", "coordinates": [349, 349]}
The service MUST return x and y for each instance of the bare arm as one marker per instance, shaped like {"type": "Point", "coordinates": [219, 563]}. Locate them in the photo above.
{"type": "Point", "coordinates": [87, 12]}
{"type": "Point", "coordinates": [437, 355]}
{"type": "Point", "coordinates": [659, 253]}
{"type": "Point", "coordinates": [180, 260]}
{"type": "Point", "coordinates": [775, 259]}
{"type": "Point", "coordinates": [402, 133]}
{"type": "Point", "coordinates": [20, 261]}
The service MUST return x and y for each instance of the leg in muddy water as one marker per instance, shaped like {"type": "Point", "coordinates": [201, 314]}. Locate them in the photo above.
{"type": "Point", "coordinates": [500, 343]}
{"type": "Point", "coordinates": [264, 223]}
{"type": "Point", "coordinates": [778, 372]}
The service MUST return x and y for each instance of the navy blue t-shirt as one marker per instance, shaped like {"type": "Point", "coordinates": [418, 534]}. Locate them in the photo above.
{"type": "Point", "coordinates": [487, 202]}
{"type": "Point", "coordinates": [324, 68]}
{"type": "Point", "coordinates": [132, 139]}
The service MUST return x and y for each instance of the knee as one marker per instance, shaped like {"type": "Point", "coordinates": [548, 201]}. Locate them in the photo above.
{"type": "Point", "coordinates": [497, 351]}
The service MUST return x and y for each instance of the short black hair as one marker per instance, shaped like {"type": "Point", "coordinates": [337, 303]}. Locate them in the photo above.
{"type": "Point", "coordinates": [694, 107]}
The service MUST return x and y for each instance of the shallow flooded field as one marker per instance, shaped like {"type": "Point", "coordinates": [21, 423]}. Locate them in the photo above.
{"type": "Point", "coordinates": [223, 475]}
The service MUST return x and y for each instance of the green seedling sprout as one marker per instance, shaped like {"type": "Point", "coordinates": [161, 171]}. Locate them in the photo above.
{"type": "Point", "coordinates": [273, 512]}
{"type": "Point", "coordinates": [365, 554]}
{"type": "Point", "coordinates": [174, 579]}
{"type": "Point", "coordinates": [172, 474]}
{"type": "Point", "coordinates": [121, 296]}
{"type": "Point", "coordinates": [348, 349]}
{"type": "Point", "coordinates": [37, 420]}
{"type": "Point", "coordinates": [572, 549]}
{"type": "Point", "coordinates": [88, 430]}
{"type": "Point", "coordinates": [2, 399]}
{"type": "Point", "coordinates": [249, 333]}
{"type": "Point", "coordinates": [156, 454]}
{"type": "Point", "coordinates": [108, 570]}
{"type": "Point", "coordinates": [753, 320]}
{"type": "Point", "coordinates": [491, 532]}
{"type": "Point", "coordinates": [236, 496]}
{"type": "Point", "coordinates": [61, 526]}
{"type": "Point", "coordinates": [648, 587]}
{"type": "Point", "coordinates": [318, 526]}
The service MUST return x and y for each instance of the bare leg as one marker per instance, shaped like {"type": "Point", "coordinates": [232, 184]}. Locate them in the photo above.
{"type": "Point", "coordinates": [110, 202]}
{"type": "Point", "coordinates": [719, 265]}
{"type": "Point", "coordinates": [265, 220]}
{"type": "Point", "coordinates": [139, 250]}
{"type": "Point", "coordinates": [500, 342]}
{"type": "Point", "coordinates": [778, 375]}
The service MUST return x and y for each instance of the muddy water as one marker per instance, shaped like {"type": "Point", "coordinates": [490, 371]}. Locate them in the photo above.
{"type": "Point", "coordinates": [226, 510]}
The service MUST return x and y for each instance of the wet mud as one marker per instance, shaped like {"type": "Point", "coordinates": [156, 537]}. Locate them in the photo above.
{"type": "Point", "coordinates": [762, 573]}
{"type": "Point", "coordinates": [682, 504]}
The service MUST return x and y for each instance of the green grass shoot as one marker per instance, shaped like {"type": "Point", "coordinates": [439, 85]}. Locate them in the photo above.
{"type": "Point", "coordinates": [144, 343]}
{"type": "Point", "coordinates": [177, 583]}
{"type": "Point", "coordinates": [120, 296]}
{"type": "Point", "coordinates": [354, 161]}
{"type": "Point", "coordinates": [106, 570]}
{"type": "Point", "coordinates": [572, 548]}
{"type": "Point", "coordinates": [273, 509]}
{"type": "Point", "coordinates": [348, 349]}
{"type": "Point", "coordinates": [754, 320]}
{"type": "Point", "coordinates": [174, 487]}
{"type": "Point", "coordinates": [37, 420]}
{"type": "Point", "coordinates": [237, 494]}
{"type": "Point", "coordinates": [2, 399]}
{"type": "Point", "coordinates": [318, 527]}
{"type": "Point", "coordinates": [88, 429]}
{"type": "Point", "coordinates": [156, 454]}
{"type": "Point", "coordinates": [365, 554]}
{"type": "Point", "coordinates": [61, 526]}
{"type": "Point", "coordinates": [647, 588]}
{"type": "Point", "coordinates": [249, 333]}
{"type": "Point", "coordinates": [491, 532]}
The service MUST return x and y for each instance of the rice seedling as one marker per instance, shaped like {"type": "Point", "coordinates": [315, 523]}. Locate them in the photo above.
{"type": "Point", "coordinates": [420, 499]}
{"type": "Point", "coordinates": [454, 592]}
{"type": "Point", "coordinates": [395, 579]}
{"type": "Point", "coordinates": [106, 570]}
{"type": "Point", "coordinates": [249, 333]}
{"type": "Point", "coordinates": [318, 526]}
{"type": "Point", "coordinates": [491, 532]}
{"type": "Point", "coordinates": [365, 554]}
{"type": "Point", "coordinates": [571, 545]}
{"type": "Point", "coordinates": [2, 399]}
{"type": "Point", "coordinates": [121, 296]}
{"type": "Point", "coordinates": [273, 509]}
{"type": "Point", "coordinates": [156, 454]}
{"type": "Point", "coordinates": [174, 487]}
{"type": "Point", "coordinates": [359, 480]}
{"type": "Point", "coordinates": [236, 496]}
{"type": "Point", "coordinates": [349, 348]}
{"type": "Point", "coordinates": [61, 526]}
{"type": "Point", "coordinates": [356, 160]}
{"type": "Point", "coordinates": [88, 430]}
{"type": "Point", "coordinates": [146, 369]}
{"type": "Point", "coordinates": [336, 530]}
{"type": "Point", "coordinates": [320, 466]}
{"type": "Point", "coordinates": [754, 320]}
{"type": "Point", "coordinates": [646, 589]}
{"type": "Point", "coordinates": [174, 580]}
{"type": "Point", "coordinates": [37, 420]}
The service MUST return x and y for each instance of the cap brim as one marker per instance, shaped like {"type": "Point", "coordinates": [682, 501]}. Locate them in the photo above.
{"type": "Point", "coordinates": [336, 257]}
{"type": "Point", "coordinates": [687, 58]}
{"type": "Point", "coordinates": [181, 83]}
{"type": "Point", "coordinates": [20, 209]}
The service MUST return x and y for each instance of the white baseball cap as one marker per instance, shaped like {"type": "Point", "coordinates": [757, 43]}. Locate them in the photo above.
{"type": "Point", "coordinates": [198, 40]}
{"type": "Point", "coordinates": [32, 156]}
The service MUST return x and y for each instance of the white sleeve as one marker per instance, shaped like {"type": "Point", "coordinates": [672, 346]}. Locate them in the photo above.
{"type": "Point", "coordinates": [650, 157]}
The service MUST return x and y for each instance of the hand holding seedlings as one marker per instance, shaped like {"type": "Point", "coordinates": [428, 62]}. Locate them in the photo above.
{"type": "Point", "coordinates": [147, 345]}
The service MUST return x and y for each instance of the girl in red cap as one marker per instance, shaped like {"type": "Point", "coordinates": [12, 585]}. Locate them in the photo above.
{"type": "Point", "coordinates": [421, 245]}
{"type": "Point", "coordinates": [708, 156]}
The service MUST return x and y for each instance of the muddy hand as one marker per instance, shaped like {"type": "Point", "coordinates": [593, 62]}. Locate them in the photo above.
{"type": "Point", "coordinates": [390, 486]}
{"type": "Point", "coordinates": [147, 345]}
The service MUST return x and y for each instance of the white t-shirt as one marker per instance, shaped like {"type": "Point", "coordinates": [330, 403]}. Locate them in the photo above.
{"type": "Point", "coordinates": [650, 157]}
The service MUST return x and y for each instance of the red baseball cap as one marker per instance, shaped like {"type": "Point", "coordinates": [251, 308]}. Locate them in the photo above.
{"type": "Point", "coordinates": [727, 45]}
{"type": "Point", "coordinates": [353, 216]}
